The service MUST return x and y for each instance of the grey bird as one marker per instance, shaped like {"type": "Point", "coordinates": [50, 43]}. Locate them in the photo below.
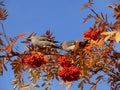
{"type": "Point", "coordinates": [68, 45]}
{"type": "Point", "coordinates": [43, 38]}
{"type": "Point", "coordinates": [42, 42]}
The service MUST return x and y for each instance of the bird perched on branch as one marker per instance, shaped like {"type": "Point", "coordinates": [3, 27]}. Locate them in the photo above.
{"type": "Point", "coordinates": [68, 45]}
{"type": "Point", "coordinates": [42, 42]}
{"type": "Point", "coordinates": [72, 46]}
{"type": "Point", "coordinates": [44, 38]}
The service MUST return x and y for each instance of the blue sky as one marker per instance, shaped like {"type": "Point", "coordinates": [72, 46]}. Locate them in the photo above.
{"type": "Point", "coordinates": [62, 17]}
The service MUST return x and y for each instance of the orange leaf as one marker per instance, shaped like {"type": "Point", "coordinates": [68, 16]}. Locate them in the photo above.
{"type": "Point", "coordinates": [20, 36]}
{"type": "Point", "coordinates": [76, 46]}
{"type": "Point", "coordinates": [107, 61]}
{"type": "Point", "coordinates": [117, 37]}
{"type": "Point", "coordinates": [91, 62]}
{"type": "Point", "coordinates": [9, 48]}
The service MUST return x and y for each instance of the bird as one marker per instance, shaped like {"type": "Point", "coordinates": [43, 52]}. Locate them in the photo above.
{"type": "Point", "coordinates": [44, 38]}
{"type": "Point", "coordinates": [73, 45]}
{"type": "Point", "coordinates": [42, 42]}
{"type": "Point", "coordinates": [68, 45]}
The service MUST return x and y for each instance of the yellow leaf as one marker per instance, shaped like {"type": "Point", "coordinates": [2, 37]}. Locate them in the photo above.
{"type": "Point", "coordinates": [14, 81]}
{"type": "Point", "coordinates": [25, 86]}
{"type": "Point", "coordinates": [108, 35]}
{"type": "Point", "coordinates": [35, 85]}
{"type": "Point", "coordinates": [117, 37]}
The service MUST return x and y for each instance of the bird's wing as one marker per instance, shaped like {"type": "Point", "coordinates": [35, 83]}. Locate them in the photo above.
{"type": "Point", "coordinates": [47, 39]}
{"type": "Point", "coordinates": [42, 38]}
{"type": "Point", "coordinates": [70, 43]}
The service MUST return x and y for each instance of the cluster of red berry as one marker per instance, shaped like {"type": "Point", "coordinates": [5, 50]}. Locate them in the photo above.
{"type": "Point", "coordinates": [34, 60]}
{"type": "Point", "coordinates": [68, 72]}
{"type": "Point", "coordinates": [92, 33]}
{"type": "Point", "coordinates": [64, 62]}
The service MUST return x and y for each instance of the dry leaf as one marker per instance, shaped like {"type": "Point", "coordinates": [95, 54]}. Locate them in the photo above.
{"type": "Point", "coordinates": [3, 14]}
{"type": "Point", "coordinates": [108, 35]}
{"type": "Point", "coordinates": [91, 62]}
{"type": "Point", "coordinates": [1, 42]}
{"type": "Point", "coordinates": [20, 36]}
{"type": "Point", "coordinates": [35, 85]}
{"type": "Point", "coordinates": [76, 46]}
{"type": "Point", "coordinates": [117, 37]}
{"type": "Point", "coordinates": [10, 47]}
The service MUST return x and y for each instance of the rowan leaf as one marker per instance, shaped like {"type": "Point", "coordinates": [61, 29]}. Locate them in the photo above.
{"type": "Point", "coordinates": [20, 36]}
{"type": "Point", "coordinates": [35, 85]}
{"type": "Point", "coordinates": [14, 81]}
{"type": "Point", "coordinates": [117, 37]}
{"type": "Point", "coordinates": [116, 54]}
{"type": "Point", "coordinates": [115, 25]}
{"type": "Point", "coordinates": [108, 35]}
{"type": "Point", "coordinates": [3, 14]}
{"type": "Point", "coordinates": [25, 86]}
{"type": "Point", "coordinates": [76, 46]}
{"type": "Point", "coordinates": [10, 47]}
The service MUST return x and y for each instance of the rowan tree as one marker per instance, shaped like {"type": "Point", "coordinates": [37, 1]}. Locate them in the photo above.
{"type": "Point", "coordinates": [94, 54]}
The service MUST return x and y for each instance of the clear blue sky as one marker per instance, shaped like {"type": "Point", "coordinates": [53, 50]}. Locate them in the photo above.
{"type": "Point", "coordinates": [62, 17]}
